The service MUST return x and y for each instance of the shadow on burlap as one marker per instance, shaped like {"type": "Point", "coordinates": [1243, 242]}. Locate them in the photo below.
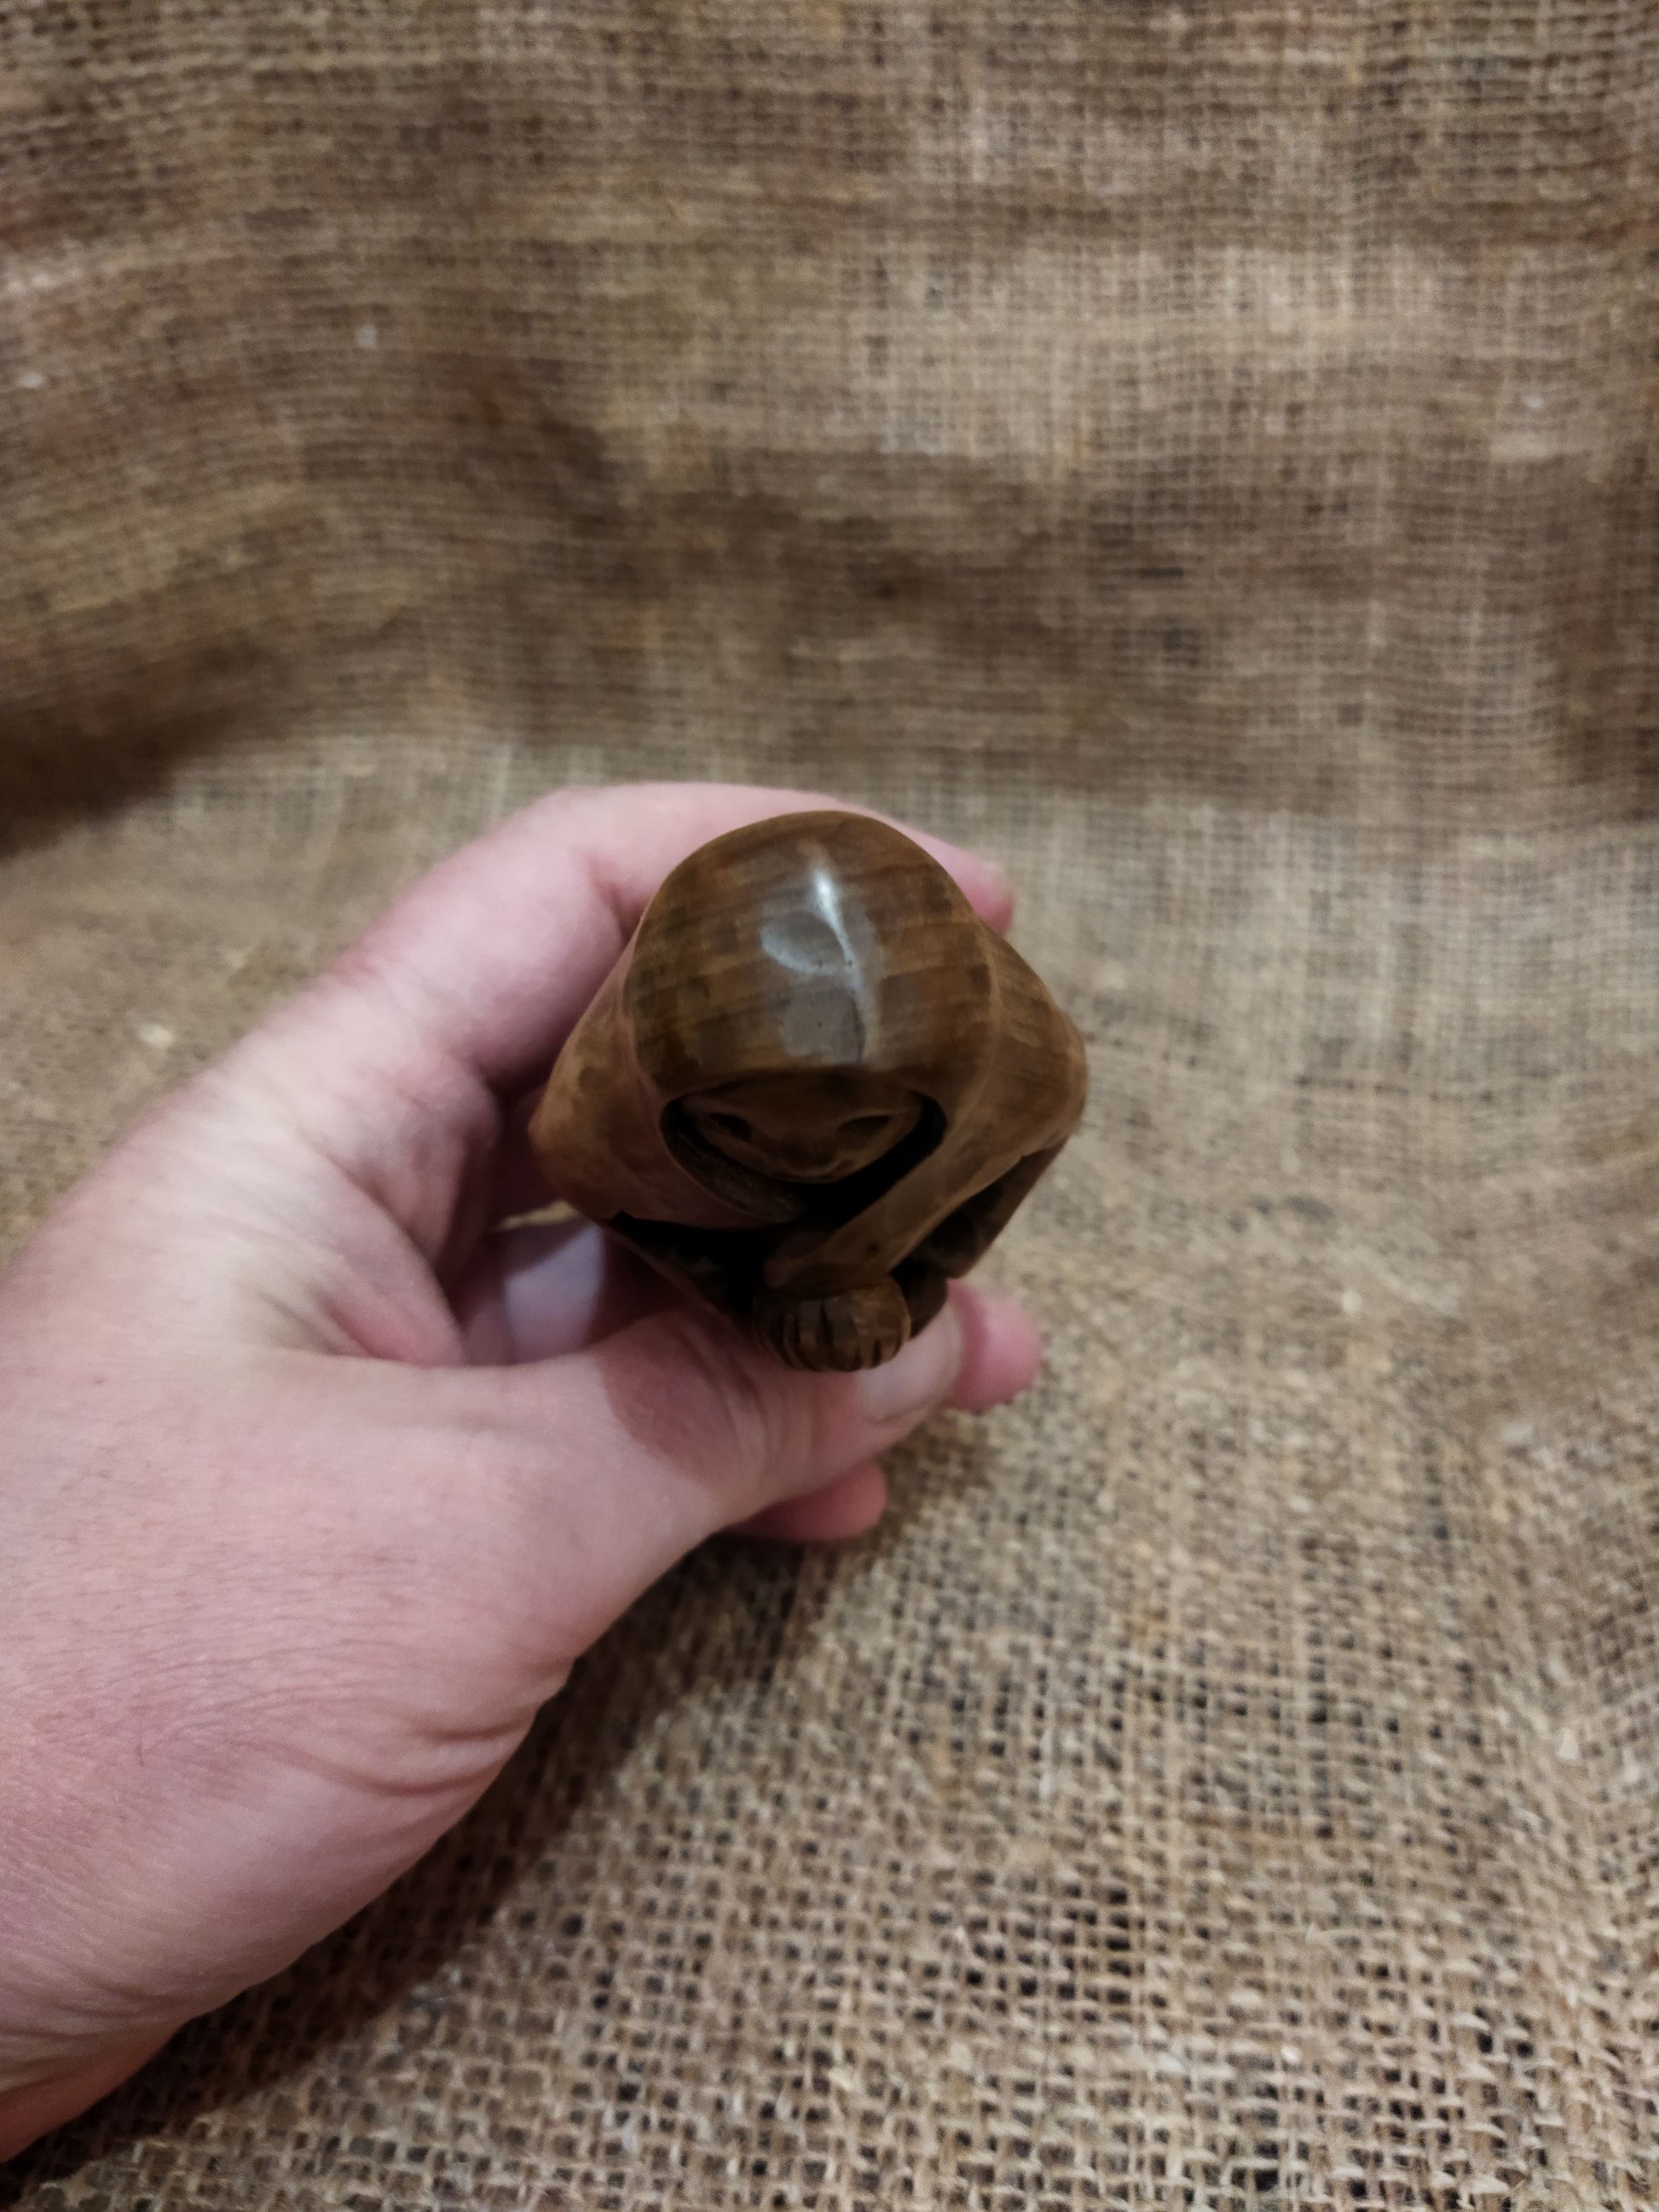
{"type": "Point", "coordinates": [1204, 456]}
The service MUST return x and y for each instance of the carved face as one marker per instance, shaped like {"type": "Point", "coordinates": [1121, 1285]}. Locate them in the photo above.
{"type": "Point", "coordinates": [813, 1128]}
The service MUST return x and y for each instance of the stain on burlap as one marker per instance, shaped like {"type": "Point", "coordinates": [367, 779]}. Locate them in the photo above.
{"type": "Point", "coordinates": [1207, 455]}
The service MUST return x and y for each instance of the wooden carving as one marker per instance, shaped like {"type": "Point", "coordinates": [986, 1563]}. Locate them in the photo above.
{"type": "Point", "coordinates": [815, 1086]}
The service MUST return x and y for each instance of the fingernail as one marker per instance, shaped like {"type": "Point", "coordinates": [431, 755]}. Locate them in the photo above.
{"type": "Point", "coordinates": [918, 1377]}
{"type": "Point", "coordinates": [996, 880]}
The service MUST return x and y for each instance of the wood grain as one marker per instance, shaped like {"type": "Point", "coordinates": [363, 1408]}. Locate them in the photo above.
{"type": "Point", "coordinates": [815, 1086]}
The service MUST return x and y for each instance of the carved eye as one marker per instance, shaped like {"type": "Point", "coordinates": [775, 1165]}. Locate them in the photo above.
{"type": "Point", "coordinates": [729, 1125]}
{"type": "Point", "coordinates": [865, 1125]}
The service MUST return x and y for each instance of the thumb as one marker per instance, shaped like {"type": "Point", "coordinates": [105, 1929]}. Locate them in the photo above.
{"type": "Point", "coordinates": [626, 1455]}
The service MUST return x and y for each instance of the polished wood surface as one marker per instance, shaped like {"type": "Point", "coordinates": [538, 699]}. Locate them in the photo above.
{"type": "Point", "coordinates": [815, 1086]}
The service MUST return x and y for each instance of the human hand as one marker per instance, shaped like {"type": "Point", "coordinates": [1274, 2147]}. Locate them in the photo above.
{"type": "Point", "coordinates": [314, 1491]}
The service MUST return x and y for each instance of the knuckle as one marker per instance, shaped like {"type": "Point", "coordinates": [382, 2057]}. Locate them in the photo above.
{"type": "Point", "coordinates": [712, 1403]}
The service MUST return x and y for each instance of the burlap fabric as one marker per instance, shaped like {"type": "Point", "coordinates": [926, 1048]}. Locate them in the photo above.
{"type": "Point", "coordinates": [1205, 454]}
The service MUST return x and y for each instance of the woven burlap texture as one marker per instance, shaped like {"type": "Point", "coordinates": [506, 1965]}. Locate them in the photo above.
{"type": "Point", "coordinates": [1205, 455]}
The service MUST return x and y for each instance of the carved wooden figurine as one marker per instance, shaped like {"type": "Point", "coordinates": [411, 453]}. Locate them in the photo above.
{"type": "Point", "coordinates": [815, 1086]}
